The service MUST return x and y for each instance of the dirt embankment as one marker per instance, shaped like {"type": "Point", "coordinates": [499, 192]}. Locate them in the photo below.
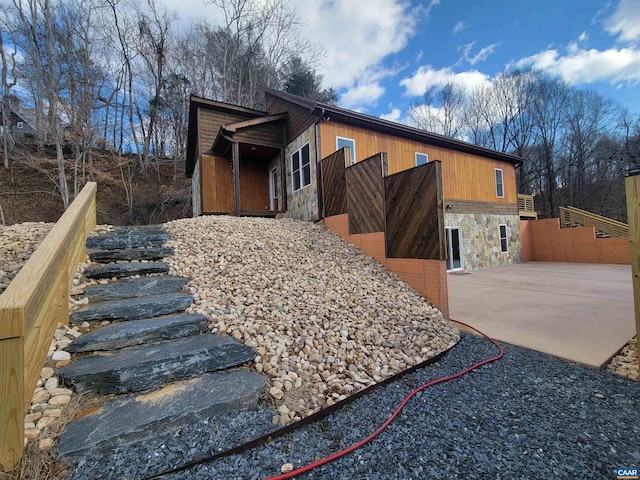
{"type": "Point", "coordinates": [126, 196]}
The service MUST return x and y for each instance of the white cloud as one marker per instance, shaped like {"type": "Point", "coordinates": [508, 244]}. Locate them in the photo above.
{"type": "Point", "coordinates": [481, 56]}
{"type": "Point", "coordinates": [358, 34]}
{"type": "Point", "coordinates": [586, 66]}
{"type": "Point", "coordinates": [458, 27]}
{"type": "Point", "coordinates": [583, 37]}
{"type": "Point", "coordinates": [361, 95]}
{"type": "Point", "coordinates": [625, 21]}
{"type": "Point", "coordinates": [427, 76]}
{"type": "Point", "coordinates": [394, 115]}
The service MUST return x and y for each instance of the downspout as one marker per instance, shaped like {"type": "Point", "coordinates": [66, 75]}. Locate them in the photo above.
{"type": "Point", "coordinates": [319, 165]}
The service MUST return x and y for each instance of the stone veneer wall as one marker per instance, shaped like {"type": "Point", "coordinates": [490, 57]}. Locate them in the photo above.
{"type": "Point", "coordinates": [481, 238]}
{"type": "Point", "coordinates": [196, 197]}
{"type": "Point", "coordinates": [302, 204]}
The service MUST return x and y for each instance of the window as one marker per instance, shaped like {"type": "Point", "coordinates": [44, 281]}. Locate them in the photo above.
{"type": "Point", "coordinates": [421, 158]}
{"type": "Point", "coordinates": [347, 142]}
{"type": "Point", "coordinates": [504, 244]}
{"type": "Point", "coordinates": [20, 125]}
{"type": "Point", "coordinates": [300, 168]}
{"type": "Point", "coordinates": [499, 183]}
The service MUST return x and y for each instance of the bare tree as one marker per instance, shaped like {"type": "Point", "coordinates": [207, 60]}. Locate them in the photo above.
{"type": "Point", "coordinates": [441, 110]}
{"type": "Point", "coordinates": [8, 59]}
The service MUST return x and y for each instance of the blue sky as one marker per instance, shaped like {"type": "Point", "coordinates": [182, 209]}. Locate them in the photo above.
{"type": "Point", "coordinates": [382, 54]}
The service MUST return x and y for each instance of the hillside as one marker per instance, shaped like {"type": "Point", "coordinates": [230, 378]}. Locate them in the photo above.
{"type": "Point", "coordinates": [28, 192]}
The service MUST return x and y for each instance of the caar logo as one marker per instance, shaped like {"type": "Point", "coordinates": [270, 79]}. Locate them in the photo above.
{"type": "Point", "coordinates": [627, 472]}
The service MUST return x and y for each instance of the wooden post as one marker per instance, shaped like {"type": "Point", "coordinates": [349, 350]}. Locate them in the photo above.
{"type": "Point", "coordinates": [12, 401]}
{"type": "Point", "coordinates": [632, 184]}
{"type": "Point", "coordinates": [236, 176]}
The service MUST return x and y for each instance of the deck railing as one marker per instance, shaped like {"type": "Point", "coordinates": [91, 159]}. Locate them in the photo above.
{"type": "Point", "coordinates": [526, 208]}
{"type": "Point", "coordinates": [30, 309]}
{"type": "Point", "coordinates": [572, 217]}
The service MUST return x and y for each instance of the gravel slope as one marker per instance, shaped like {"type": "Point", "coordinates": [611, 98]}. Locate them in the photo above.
{"type": "Point", "coordinates": [325, 319]}
{"type": "Point", "coordinates": [527, 416]}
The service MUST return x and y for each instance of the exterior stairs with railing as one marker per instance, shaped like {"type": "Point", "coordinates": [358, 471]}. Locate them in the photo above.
{"type": "Point", "coordinates": [571, 217]}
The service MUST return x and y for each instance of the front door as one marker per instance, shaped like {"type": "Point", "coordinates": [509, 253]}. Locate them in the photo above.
{"type": "Point", "coordinates": [455, 261]}
{"type": "Point", "coordinates": [273, 188]}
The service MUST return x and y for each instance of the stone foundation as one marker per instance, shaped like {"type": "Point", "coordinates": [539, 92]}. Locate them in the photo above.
{"type": "Point", "coordinates": [302, 204]}
{"type": "Point", "coordinates": [481, 239]}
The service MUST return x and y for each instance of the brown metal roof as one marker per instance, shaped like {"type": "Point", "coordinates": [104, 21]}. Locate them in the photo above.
{"type": "Point", "coordinates": [394, 128]}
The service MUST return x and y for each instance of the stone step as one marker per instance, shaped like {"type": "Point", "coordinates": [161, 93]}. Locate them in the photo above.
{"type": "Point", "coordinates": [136, 418]}
{"type": "Point", "coordinates": [126, 240]}
{"type": "Point", "coordinates": [139, 332]}
{"type": "Point", "coordinates": [121, 270]}
{"type": "Point", "coordinates": [140, 368]}
{"type": "Point", "coordinates": [134, 287]}
{"type": "Point", "coordinates": [133, 308]}
{"type": "Point", "coordinates": [108, 256]}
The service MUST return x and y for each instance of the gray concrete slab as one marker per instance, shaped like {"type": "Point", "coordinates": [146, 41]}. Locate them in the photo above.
{"type": "Point", "coordinates": [577, 311]}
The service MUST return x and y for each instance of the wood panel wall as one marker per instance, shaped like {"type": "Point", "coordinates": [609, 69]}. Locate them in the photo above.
{"type": "Point", "coordinates": [254, 185]}
{"type": "Point", "coordinates": [217, 185]}
{"type": "Point", "coordinates": [465, 176]}
{"type": "Point", "coordinates": [209, 123]}
{"type": "Point", "coordinates": [299, 118]}
{"type": "Point", "coordinates": [271, 134]}
{"type": "Point", "coordinates": [414, 213]}
{"type": "Point", "coordinates": [365, 195]}
{"type": "Point", "coordinates": [334, 186]}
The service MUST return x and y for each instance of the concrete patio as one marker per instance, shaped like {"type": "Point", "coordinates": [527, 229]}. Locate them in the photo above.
{"type": "Point", "coordinates": [577, 311]}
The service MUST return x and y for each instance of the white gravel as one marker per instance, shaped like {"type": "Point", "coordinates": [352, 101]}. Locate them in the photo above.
{"type": "Point", "coordinates": [325, 319]}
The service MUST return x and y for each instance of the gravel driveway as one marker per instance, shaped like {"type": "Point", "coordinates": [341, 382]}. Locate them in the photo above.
{"type": "Point", "coordinates": [527, 416]}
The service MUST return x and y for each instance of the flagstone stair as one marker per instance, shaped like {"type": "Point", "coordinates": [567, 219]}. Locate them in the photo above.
{"type": "Point", "coordinates": [160, 368]}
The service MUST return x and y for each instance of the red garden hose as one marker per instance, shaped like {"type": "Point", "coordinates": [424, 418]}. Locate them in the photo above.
{"type": "Point", "coordinates": [362, 442]}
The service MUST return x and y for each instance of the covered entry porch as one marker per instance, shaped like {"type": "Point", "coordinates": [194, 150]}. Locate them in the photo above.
{"type": "Point", "coordinates": [243, 173]}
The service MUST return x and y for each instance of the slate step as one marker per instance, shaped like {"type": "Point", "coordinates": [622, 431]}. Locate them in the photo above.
{"type": "Point", "coordinates": [126, 240]}
{"type": "Point", "coordinates": [121, 270]}
{"type": "Point", "coordinates": [137, 418]}
{"type": "Point", "coordinates": [108, 256]}
{"type": "Point", "coordinates": [133, 308]}
{"type": "Point", "coordinates": [134, 287]}
{"type": "Point", "coordinates": [139, 332]}
{"type": "Point", "coordinates": [148, 366]}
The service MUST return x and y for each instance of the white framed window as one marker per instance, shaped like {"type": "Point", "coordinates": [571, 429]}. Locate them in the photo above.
{"type": "Point", "coordinates": [421, 158]}
{"type": "Point", "coordinates": [342, 142]}
{"type": "Point", "coordinates": [300, 168]}
{"type": "Point", "coordinates": [20, 125]}
{"type": "Point", "coordinates": [504, 242]}
{"type": "Point", "coordinates": [499, 183]}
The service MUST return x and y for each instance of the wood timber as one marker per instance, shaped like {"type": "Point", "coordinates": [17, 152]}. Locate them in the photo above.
{"type": "Point", "coordinates": [414, 214]}
{"type": "Point", "coordinates": [365, 195]}
{"type": "Point", "coordinates": [632, 186]}
{"type": "Point", "coordinates": [334, 187]}
{"type": "Point", "coordinates": [30, 309]}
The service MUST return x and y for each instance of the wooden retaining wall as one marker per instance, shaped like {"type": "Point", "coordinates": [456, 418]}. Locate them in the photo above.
{"type": "Point", "coordinates": [35, 302]}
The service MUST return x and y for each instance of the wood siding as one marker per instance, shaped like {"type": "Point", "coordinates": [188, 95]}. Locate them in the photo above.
{"type": "Point", "coordinates": [414, 214]}
{"type": "Point", "coordinates": [365, 195]}
{"type": "Point", "coordinates": [272, 135]}
{"type": "Point", "coordinates": [209, 123]}
{"type": "Point", "coordinates": [334, 186]}
{"type": "Point", "coordinates": [254, 185]}
{"type": "Point", "coordinates": [217, 185]}
{"type": "Point", "coordinates": [299, 117]}
{"type": "Point", "coordinates": [453, 205]}
{"type": "Point", "coordinates": [465, 176]}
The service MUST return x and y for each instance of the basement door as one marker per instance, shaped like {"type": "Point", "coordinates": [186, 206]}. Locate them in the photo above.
{"type": "Point", "coordinates": [455, 260]}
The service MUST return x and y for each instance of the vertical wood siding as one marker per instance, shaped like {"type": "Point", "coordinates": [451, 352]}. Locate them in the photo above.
{"type": "Point", "coordinates": [334, 187]}
{"type": "Point", "coordinates": [217, 185]}
{"type": "Point", "coordinates": [414, 213]}
{"type": "Point", "coordinates": [465, 176]}
{"type": "Point", "coordinates": [365, 195]}
{"type": "Point", "coordinates": [254, 185]}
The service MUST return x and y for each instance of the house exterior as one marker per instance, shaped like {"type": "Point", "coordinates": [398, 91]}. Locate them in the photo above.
{"type": "Point", "coordinates": [249, 162]}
